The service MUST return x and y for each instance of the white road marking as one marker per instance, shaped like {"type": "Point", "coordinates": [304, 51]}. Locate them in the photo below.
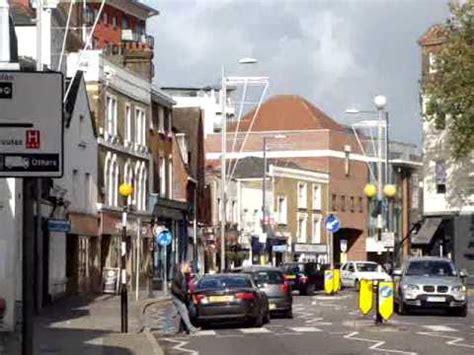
{"type": "Point", "coordinates": [255, 330]}
{"type": "Point", "coordinates": [455, 341]}
{"type": "Point", "coordinates": [377, 344]}
{"type": "Point", "coordinates": [205, 333]}
{"type": "Point", "coordinates": [439, 328]}
{"type": "Point", "coordinates": [305, 329]}
{"type": "Point", "coordinates": [180, 345]}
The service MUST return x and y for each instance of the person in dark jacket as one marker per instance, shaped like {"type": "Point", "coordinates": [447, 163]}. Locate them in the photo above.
{"type": "Point", "coordinates": [180, 296]}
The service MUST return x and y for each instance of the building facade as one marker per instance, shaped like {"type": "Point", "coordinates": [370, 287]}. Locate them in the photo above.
{"type": "Point", "coordinates": [448, 187]}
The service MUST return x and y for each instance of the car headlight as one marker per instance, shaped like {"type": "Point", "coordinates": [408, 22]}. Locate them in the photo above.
{"type": "Point", "coordinates": [460, 288]}
{"type": "Point", "coordinates": [411, 287]}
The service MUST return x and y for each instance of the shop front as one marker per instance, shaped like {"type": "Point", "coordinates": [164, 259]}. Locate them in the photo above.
{"type": "Point", "coordinates": [303, 252]}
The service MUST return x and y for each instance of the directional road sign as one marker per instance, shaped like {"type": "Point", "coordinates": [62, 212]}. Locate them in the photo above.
{"type": "Point", "coordinates": [164, 238]}
{"type": "Point", "coordinates": [333, 224]}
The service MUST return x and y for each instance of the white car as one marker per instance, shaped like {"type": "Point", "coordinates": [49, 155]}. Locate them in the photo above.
{"type": "Point", "coordinates": [354, 271]}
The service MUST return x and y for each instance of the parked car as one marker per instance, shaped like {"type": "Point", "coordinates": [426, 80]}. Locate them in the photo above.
{"type": "Point", "coordinates": [354, 271]}
{"type": "Point", "coordinates": [304, 277]}
{"type": "Point", "coordinates": [229, 297]}
{"type": "Point", "coordinates": [272, 282]}
{"type": "Point", "coordinates": [430, 282]}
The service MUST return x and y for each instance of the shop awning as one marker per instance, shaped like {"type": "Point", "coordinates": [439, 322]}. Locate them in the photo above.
{"type": "Point", "coordinates": [426, 231]}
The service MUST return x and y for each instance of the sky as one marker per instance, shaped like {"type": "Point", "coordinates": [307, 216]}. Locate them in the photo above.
{"type": "Point", "coordinates": [338, 54]}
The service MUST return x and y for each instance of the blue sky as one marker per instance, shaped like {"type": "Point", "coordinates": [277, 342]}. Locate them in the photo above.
{"type": "Point", "coordinates": [338, 54]}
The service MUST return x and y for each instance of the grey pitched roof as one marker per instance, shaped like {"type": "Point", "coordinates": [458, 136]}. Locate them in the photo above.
{"type": "Point", "coordinates": [252, 167]}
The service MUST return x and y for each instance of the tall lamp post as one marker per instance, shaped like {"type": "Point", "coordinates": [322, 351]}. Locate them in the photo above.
{"type": "Point", "coordinates": [125, 190]}
{"type": "Point", "coordinates": [380, 102]}
{"type": "Point", "coordinates": [264, 179]}
{"type": "Point", "coordinates": [223, 195]}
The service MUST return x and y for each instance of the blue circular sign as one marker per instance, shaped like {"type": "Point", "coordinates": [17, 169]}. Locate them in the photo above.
{"type": "Point", "coordinates": [333, 224]}
{"type": "Point", "coordinates": [164, 238]}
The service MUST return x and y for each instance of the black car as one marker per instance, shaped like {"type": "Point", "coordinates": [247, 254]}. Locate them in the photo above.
{"type": "Point", "coordinates": [272, 281]}
{"type": "Point", "coordinates": [229, 297]}
{"type": "Point", "coordinates": [304, 277]}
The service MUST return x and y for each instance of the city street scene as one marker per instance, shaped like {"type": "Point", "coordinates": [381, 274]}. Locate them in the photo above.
{"type": "Point", "coordinates": [228, 177]}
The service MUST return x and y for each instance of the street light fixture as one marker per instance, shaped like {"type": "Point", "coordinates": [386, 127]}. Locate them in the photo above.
{"type": "Point", "coordinates": [247, 60]}
{"type": "Point", "coordinates": [125, 190]}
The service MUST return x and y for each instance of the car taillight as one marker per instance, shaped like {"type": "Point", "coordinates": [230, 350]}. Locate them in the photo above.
{"type": "Point", "coordinates": [245, 296]}
{"type": "Point", "coordinates": [284, 287]}
{"type": "Point", "coordinates": [200, 299]}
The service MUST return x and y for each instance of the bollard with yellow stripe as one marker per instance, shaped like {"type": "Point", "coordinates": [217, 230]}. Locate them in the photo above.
{"type": "Point", "coordinates": [329, 281]}
{"type": "Point", "coordinates": [385, 299]}
{"type": "Point", "coordinates": [366, 296]}
{"type": "Point", "coordinates": [337, 280]}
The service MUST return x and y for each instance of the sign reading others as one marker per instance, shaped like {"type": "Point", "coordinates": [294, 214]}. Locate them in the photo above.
{"type": "Point", "coordinates": [31, 124]}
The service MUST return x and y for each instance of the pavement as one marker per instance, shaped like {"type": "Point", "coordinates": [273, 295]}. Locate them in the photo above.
{"type": "Point", "coordinates": [90, 325]}
{"type": "Point", "coordinates": [323, 325]}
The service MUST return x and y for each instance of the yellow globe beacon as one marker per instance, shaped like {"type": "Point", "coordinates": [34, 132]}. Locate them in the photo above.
{"type": "Point", "coordinates": [125, 190]}
{"type": "Point", "coordinates": [370, 190]}
{"type": "Point", "coordinates": [390, 190]}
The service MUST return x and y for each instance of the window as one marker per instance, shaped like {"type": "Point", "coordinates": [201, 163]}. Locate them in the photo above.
{"type": "Point", "coordinates": [334, 202]}
{"type": "Point", "coordinates": [111, 122]}
{"type": "Point", "coordinates": [317, 229]}
{"type": "Point", "coordinates": [125, 23]}
{"type": "Point", "coordinates": [282, 210]}
{"type": "Point", "coordinates": [128, 178]}
{"type": "Point", "coordinates": [432, 63]}
{"type": "Point", "coordinates": [167, 122]}
{"type": "Point", "coordinates": [105, 18]}
{"type": "Point", "coordinates": [75, 186]}
{"type": "Point", "coordinates": [140, 128]}
{"type": "Point", "coordinates": [301, 233]}
{"type": "Point", "coordinates": [88, 187]}
{"type": "Point", "coordinates": [128, 124]}
{"type": "Point", "coordinates": [302, 195]}
{"type": "Point", "coordinates": [81, 128]}
{"type": "Point", "coordinates": [316, 197]}
{"type": "Point", "coordinates": [114, 21]}
{"type": "Point", "coordinates": [170, 178]}
{"type": "Point", "coordinates": [361, 204]}
{"type": "Point", "coordinates": [111, 179]}
{"type": "Point", "coordinates": [343, 203]}
{"type": "Point", "coordinates": [347, 160]}
{"type": "Point", "coordinates": [352, 203]}
{"type": "Point", "coordinates": [440, 174]}
{"type": "Point", "coordinates": [161, 119]}
{"type": "Point", "coordinates": [162, 177]}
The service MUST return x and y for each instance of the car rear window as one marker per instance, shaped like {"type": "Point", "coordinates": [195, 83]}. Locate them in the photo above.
{"type": "Point", "coordinates": [224, 282]}
{"type": "Point", "coordinates": [294, 268]}
{"type": "Point", "coordinates": [271, 277]}
{"type": "Point", "coordinates": [367, 267]}
{"type": "Point", "coordinates": [430, 268]}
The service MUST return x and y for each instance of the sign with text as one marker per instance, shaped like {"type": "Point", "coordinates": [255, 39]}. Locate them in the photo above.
{"type": "Point", "coordinates": [310, 248]}
{"type": "Point", "coordinates": [111, 280]}
{"type": "Point", "coordinates": [31, 124]}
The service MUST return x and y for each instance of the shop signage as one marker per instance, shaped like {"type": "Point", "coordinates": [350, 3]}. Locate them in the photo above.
{"type": "Point", "coordinates": [111, 280]}
{"type": "Point", "coordinates": [59, 225]}
{"type": "Point", "coordinates": [280, 248]}
{"type": "Point", "coordinates": [310, 248]}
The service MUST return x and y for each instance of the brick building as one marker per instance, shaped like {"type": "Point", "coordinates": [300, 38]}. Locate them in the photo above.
{"type": "Point", "coordinates": [313, 141]}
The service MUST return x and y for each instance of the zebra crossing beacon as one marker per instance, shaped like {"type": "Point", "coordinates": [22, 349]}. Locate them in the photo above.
{"type": "Point", "coordinates": [332, 277]}
{"type": "Point", "coordinates": [382, 291]}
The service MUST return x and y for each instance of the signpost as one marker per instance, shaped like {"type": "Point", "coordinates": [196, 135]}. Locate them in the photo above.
{"type": "Point", "coordinates": [164, 239]}
{"type": "Point", "coordinates": [31, 124]}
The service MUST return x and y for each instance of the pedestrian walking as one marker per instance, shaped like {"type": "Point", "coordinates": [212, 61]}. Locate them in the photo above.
{"type": "Point", "coordinates": [180, 296]}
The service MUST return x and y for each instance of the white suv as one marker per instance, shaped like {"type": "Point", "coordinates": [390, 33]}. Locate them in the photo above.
{"type": "Point", "coordinates": [354, 271]}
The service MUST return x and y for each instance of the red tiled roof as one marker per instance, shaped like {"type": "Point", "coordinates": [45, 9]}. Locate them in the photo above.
{"type": "Point", "coordinates": [434, 35]}
{"type": "Point", "coordinates": [287, 113]}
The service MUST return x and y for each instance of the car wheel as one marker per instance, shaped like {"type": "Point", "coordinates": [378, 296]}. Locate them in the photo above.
{"type": "Point", "coordinates": [462, 312]}
{"type": "Point", "coordinates": [258, 322]}
{"type": "Point", "coordinates": [266, 320]}
{"type": "Point", "coordinates": [402, 309]}
{"type": "Point", "coordinates": [289, 314]}
{"type": "Point", "coordinates": [309, 290]}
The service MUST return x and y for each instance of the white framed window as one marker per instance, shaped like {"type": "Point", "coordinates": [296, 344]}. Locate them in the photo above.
{"type": "Point", "coordinates": [128, 124]}
{"type": "Point", "coordinates": [170, 177]}
{"type": "Point", "coordinates": [136, 184]}
{"type": "Point", "coordinates": [142, 188]}
{"type": "Point", "coordinates": [302, 195]}
{"type": "Point", "coordinates": [75, 185]}
{"type": "Point", "coordinates": [162, 177]}
{"type": "Point", "coordinates": [282, 210]}
{"type": "Point", "coordinates": [128, 178]}
{"type": "Point", "coordinates": [316, 229]}
{"type": "Point", "coordinates": [161, 119]}
{"type": "Point", "coordinates": [88, 188]}
{"type": "Point", "coordinates": [432, 63]}
{"type": "Point", "coordinates": [111, 180]}
{"type": "Point", "coordinates": [140, 133]}
{"type": "Point", "coordinates": [301, 232]}
{"type": "Point", "coordinates": [317, 195]}
{"type": "Point", "coordinates": [111, 117]}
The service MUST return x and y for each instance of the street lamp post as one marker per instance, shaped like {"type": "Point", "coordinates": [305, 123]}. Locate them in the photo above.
{"type": "Point", "coordinates": [380, 102]}
{"type": "Point", "coordinates": [125, 191]}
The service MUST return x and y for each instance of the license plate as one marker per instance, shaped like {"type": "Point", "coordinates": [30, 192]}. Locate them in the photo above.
{"type": "Point", "coordinates": [271, 306]}
{"type": "Point", "coordinates": [436, 299]}
{"type": "Point", "coordinates": [220, 299]}
{"type": "Point", "coordinates": [290, 277]}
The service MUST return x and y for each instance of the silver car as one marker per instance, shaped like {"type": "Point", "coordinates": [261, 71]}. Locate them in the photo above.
{"type": "Point", "coordinates": [429, 282]}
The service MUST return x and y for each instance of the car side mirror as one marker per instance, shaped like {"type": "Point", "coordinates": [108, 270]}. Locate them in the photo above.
{"type": "Point", "coordinates": [397, 272]}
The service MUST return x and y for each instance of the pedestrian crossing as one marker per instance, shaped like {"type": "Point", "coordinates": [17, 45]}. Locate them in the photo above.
{"type": "Point", "coordinates": [258, 331]}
